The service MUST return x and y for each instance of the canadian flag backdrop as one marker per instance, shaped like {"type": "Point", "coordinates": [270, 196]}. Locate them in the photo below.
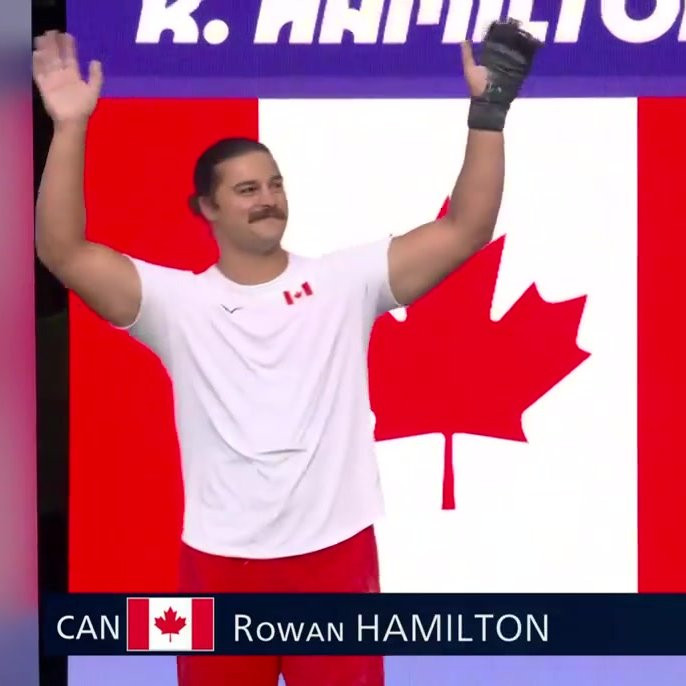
{"type": "Point", "coordinates": [528, 411]}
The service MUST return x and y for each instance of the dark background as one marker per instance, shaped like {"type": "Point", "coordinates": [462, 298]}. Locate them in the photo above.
{"type": "Point", "coordinates": [52, 365]}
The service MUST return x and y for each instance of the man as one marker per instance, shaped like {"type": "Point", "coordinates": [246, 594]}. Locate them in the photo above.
{"type": "Point", "coordinates": [267, 351]}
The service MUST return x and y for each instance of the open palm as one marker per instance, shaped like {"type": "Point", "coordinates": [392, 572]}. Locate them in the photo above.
{"type": "Point", "coordinates": [66, 96]}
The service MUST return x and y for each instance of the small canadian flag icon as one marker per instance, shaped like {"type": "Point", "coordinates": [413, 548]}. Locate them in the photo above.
{"type": "Point", "coordinates": [292, 296]}
{"type": "Point", "coordinates": [169, 624]}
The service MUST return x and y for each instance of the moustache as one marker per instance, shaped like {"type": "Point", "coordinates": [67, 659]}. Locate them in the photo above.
{"type": "Point", "coordinates": [267, 213]}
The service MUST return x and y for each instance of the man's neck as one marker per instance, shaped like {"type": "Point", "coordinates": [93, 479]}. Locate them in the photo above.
{"type": "Point", "coordinates": [250, 269]}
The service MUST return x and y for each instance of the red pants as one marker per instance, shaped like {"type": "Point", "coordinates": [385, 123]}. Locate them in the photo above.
{"type": "Point", "coordinates": [348, 567]}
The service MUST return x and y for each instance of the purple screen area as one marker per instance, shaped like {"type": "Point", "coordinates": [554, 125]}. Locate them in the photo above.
{"type": "Point", "coordinates": [596, 62]}
{"type": "Point", "coordinates": [422, 671]}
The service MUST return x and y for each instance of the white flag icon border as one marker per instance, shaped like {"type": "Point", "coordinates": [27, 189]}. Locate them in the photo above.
{"type": "Point", "coordinates": [159, 642]}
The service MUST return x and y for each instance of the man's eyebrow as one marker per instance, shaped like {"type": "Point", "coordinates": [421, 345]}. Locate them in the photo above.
{"type": "Point", "coordinates": [245, 183]}
{"type": "Point", "coordinates": [253, 182]}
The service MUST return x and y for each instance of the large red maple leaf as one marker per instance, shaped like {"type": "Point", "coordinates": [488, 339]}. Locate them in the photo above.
{"type": "Point", "coordinates": [449, 368]}
{"type": "Point", "coordinates": [170, 623]}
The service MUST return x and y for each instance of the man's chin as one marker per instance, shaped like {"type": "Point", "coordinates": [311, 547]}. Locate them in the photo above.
{"type": "Point", "coordinates": [269, 230]}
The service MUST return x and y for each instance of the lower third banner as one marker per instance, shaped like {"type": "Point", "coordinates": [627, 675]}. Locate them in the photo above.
{"type": "Point", "coordinates": [370, 624]}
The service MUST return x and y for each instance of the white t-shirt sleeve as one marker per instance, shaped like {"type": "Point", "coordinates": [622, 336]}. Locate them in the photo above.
{"type": "Point", "coordinates": [161, 291]}
{"type": "Point", "coordinates": [369, 263]}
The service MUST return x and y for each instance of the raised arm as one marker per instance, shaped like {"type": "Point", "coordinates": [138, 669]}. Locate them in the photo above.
{"type": "Point", "coordinates": [420, 259]}
{"type": "Point", "coordinates": [106, 280]}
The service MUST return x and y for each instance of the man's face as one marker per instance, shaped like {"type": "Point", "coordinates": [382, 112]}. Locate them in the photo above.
{"type": "Point", "coordinates": [250, 207]}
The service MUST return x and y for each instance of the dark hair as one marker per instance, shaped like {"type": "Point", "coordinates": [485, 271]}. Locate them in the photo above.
{"type": "Point", "coordinates": [205, 177]}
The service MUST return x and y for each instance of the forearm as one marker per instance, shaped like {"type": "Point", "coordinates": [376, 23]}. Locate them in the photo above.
{"type": "Point", "coordinates": [60, 207]}
{"type": "Point", "coordinates": [475, 200]}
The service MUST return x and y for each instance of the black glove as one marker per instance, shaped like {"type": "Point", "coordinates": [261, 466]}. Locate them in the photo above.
{"type": "Point", "coordinates": [508, 52]}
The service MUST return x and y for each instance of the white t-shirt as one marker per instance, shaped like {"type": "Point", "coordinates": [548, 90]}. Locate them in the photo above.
{"type": "Point", "coordinates": [271, 399]}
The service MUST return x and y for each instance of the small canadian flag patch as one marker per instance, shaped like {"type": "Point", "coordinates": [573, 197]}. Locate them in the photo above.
{"type": "Point", "coordinates": [292, 296]}
{"type": "Point", "coordinates": [169, 624]}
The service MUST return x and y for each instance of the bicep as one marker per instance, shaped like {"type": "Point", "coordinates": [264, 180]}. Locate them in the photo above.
{"type": "Point", "coordinates": [104, 279]}
{"type": "Point", "coordinates": [420, 259]}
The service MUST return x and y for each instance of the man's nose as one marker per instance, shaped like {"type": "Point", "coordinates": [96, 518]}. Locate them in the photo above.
{"type": "Point", "coordinates": [267, 197]}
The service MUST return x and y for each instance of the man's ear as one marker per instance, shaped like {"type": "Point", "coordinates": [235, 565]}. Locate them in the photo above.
{"type": "Point", "coordinates": [208, 208]}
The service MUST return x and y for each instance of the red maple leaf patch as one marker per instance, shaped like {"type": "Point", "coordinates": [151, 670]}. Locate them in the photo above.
{"type": "Point", "coordinates": [449, 368]}
{"type": "Point", "coordinates": [170, 623]}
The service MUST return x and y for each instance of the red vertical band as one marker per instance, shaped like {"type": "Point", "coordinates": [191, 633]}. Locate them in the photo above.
{"type": "Point", "coordinates": [125, 487]}
{"type": "Point", "coordinates": [203, 624]}
{"type": "Point", "coordinates": [137, 624]}
{"type": "Point", "coordinates": [661, 346]}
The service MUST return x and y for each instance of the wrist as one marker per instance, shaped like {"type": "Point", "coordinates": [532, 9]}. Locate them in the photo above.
{"type": "Point", "coordinates": [71, 126]}
{"type": "Point", "coordinates": [487, 116]}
